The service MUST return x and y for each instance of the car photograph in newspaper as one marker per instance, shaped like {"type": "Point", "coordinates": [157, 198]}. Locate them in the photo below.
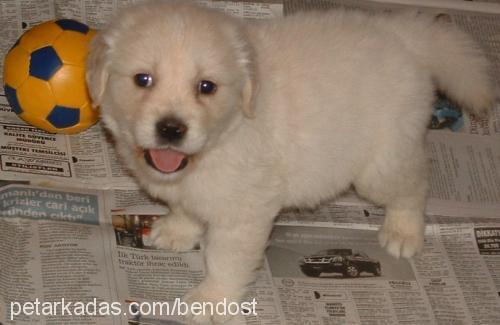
{"type": "Point", "coordinates": [340, 260]}
{"type": "Point", "coordinates": [328, 254]}
{"type": "Point", "coordinates": [331, 271]}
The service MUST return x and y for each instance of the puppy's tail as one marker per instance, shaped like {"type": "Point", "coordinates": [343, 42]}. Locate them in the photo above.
{"type": "Point", "coordinates": [457, 64]}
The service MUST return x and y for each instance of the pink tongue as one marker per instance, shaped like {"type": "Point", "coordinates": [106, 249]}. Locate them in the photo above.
{"type": "Point", "coordinates": [166, 160]}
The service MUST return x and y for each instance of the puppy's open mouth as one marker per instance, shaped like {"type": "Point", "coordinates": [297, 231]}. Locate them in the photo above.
{"type": "Point", "coordinates": [166, 160]}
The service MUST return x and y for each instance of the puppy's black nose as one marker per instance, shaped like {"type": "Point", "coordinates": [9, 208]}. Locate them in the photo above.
{"type": "Point", "coordinates": [171, 129]}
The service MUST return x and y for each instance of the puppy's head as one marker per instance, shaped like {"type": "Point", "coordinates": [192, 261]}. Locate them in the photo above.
{"type": "Point", "coordinates": [171, 81]}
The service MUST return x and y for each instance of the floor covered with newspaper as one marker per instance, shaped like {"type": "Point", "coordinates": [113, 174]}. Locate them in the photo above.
{"type": "Point", "coordinates": [75, 230]}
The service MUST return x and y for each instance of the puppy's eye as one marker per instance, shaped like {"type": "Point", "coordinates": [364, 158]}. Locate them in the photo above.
{"type": "Point", "coordinates": [207, 87]}
{"type": "Point", "coordinates": [144, 80]}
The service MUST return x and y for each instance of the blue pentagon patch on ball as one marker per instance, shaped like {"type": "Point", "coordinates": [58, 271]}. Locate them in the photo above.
{"type": "Point", "coordinates": [63, 117]}
{"type": "Point", "coordinates": [70, 24]}
{"type": "Point", "coordinates": [44, 63]}
{"type": "Point", "coordinates": [11, 95]}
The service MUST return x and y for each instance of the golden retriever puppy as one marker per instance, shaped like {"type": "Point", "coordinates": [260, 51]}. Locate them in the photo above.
{"type": "Point", "coordinates": [229, 121]}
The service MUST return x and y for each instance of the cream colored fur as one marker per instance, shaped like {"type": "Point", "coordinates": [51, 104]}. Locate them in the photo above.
{"type": "Point", "coordinates": [306, 106]}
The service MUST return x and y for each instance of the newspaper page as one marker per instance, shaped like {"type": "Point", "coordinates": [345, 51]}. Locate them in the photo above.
{"type": "Point", "coordinates": [465, 174]}
{"type": "Point", "coordinates": [322, 267]}
{"type": "Point", "coordinates": [81, 250]}
{"type": "Point", "coordinates": [93, 247]}
{"type": "Point", "coordinates": [329, 274]}
{"type": "Point", "coordinates": [53, 246]}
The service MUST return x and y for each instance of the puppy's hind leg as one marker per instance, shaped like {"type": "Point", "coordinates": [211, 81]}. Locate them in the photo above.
{"type": "Point", "coordinates": [177, 231]}
{"type": "Point", "coordinates": [401, 186]}
{"type": "Point", "coordinates": [402, 233]}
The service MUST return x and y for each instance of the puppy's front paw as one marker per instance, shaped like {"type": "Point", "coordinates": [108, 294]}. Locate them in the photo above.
{"type": "Point", "coordinates": [213, 298]}
{"type": "Point", "coordinates": [174, 233]}
{"type": "Point", "coordinates": [402, 235]}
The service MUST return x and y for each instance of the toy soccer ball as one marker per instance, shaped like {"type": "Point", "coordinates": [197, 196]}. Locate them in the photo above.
{"type": "Point", "coordinates": [44, 75]}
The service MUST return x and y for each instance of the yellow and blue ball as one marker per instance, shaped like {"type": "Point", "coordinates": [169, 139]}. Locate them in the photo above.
{"type": "Point", "coordinates": [44, 76]}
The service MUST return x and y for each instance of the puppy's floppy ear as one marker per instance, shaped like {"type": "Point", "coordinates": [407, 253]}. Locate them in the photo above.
{"type": "Point", "coordinates": [248, 95]}
{"type": "Point", "coordinates": [97, 68]}
{"type": "Point", "coordinates": [245, 58]}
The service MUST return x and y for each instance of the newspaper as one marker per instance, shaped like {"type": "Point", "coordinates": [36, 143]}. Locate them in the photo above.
{"type": "Point", "coordinates": [75, 229]}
